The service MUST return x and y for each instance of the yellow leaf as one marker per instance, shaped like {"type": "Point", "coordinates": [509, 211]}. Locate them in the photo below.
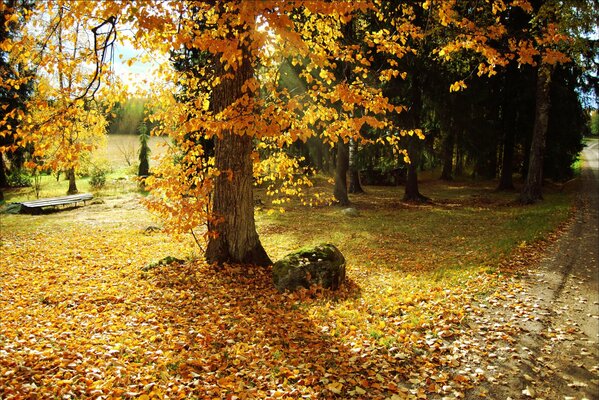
{"type": "Point", "coordinates": [335, 387]}
{"type": "Point", "coordinates": [359, 390]}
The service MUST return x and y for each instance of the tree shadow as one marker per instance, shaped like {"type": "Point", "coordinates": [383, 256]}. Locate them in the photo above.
{"type": "Point", "coordinates": [242, 337]}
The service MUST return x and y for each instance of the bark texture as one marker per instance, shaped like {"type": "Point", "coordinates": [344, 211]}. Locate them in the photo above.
{"type": "Point", "coordinates": [414, 145]}
{"type": "Point", "coordinates": [532, 191]}
{"type": "Point", "coordinates": [72, 182]}
{"type": "Point", "coordinates": [342, 166]}
{"type": "Point", "coordinates": [234, 238]}
{"type": "Point", "coordinates": [411, 192]}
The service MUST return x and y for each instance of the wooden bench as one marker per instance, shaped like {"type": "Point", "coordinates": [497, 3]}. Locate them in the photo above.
{"type": "Point", "coordinates": [36, 206]}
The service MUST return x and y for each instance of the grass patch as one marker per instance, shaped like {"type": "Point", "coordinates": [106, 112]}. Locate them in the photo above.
{"type": "Point", "coordinates": [468, 226]}
{"type": "Point", "coordinates": [119, 153]}
{"type": "Point", "coordinates": [117, 183]}
{"type": "Point", "coordinates": [577, 167]}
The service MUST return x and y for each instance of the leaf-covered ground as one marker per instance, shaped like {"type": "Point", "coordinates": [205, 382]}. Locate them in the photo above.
{"type": "Point", "coordinates": [81, 319]}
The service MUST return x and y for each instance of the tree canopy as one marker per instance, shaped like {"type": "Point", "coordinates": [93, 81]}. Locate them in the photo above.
{"type": "Point", "coordinates": [243, 82]}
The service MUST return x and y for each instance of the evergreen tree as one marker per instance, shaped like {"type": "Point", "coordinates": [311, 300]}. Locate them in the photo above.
{"type": "Point", "coordinates": [144, 151]}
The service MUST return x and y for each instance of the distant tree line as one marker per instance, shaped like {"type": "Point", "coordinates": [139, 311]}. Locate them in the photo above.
{"type": "Point", "coordinates": [484, 132]}
{"type": "Point", "coordinates": [127, 117]}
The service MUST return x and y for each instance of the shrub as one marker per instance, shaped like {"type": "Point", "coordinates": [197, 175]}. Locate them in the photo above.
{"type": "Point", "coordinates": [89, 165]}
{"type": "Point", "coordinates": [594, 124]}
{"type": "Point", "coordinates": [98, 178]}
{"type": "Point", "coordinates": [19, 178]}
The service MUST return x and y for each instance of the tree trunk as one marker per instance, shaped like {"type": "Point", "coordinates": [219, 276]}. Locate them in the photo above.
{"type": "Point", "coordinates": [448, 145]}
{"type": "Point", "coordinates": [412, 193]}
{"type": "Point", "coordinates": [72, 182]}
{"type": "Point", "coordinates": [3, 179]}
{"type": "Point", "coordinates": [342, 166]}
{"type": "Point", "coordinates": [236, 239]}
{"type": "Point", "coordinates": [354, 173]}
{"type": "Point", "coordinates": [414, 147]}
{"type": "Point", "coordinates": [532, 191]}
{"type": "Point", "coordinates": [233, 237]}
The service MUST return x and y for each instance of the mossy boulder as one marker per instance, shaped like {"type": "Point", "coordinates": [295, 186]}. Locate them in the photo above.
{"type": "Point", "coordinates": [168, 260]}
{"type": "Point", "coordinates": [320, 265]}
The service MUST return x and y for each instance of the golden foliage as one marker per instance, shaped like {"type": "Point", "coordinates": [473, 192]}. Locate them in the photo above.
{"type": "Point", "coordinates": [60, 123]}
{"type": "Point", "coordinates": [310, 78]}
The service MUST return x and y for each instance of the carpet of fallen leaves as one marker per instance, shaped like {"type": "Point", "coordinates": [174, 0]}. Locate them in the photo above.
{"type": "Point", "coordinates": [80, 318]}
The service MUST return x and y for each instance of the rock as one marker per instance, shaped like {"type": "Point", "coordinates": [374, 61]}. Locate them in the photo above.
{"type": "Point", "coordinates": [168, 260]}
{"type": "Point", "coordinates": [350, 212]}
{"type": "Point", "coordinates": [321, 265]}
{"type": "Point", "coordinates": [151, 229]}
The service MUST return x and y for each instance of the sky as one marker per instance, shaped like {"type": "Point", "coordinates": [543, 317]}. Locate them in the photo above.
{"type": "Point", "coordinates": [136, 75]}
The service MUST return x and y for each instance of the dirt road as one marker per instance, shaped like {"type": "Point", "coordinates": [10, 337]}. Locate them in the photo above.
{"type": "Point", "coordinates": [554, 351]}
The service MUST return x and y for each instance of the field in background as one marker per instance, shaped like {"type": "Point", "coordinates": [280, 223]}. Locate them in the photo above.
{"type": "Point", "coordinates": [119, 154]}
{"type": "Point", "coordinates": [121, 151]}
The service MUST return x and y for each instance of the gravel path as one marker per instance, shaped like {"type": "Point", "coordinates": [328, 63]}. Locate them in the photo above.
{"type": "Point", "coordinates": [554, 351]}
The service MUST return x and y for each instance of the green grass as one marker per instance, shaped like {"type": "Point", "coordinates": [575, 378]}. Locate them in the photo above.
{"type": "Point", "coordinates": [577, 167]}
{"type": "Point", "coordinates": [117, 183]}
{"type": "Point", "coordinates": [119, 154]}
{"type": "Point", "coordinates": [467, 226]}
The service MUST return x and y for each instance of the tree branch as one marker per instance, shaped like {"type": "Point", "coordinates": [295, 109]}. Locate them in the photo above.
{"type": "Point", "coordinates": [101, 49]}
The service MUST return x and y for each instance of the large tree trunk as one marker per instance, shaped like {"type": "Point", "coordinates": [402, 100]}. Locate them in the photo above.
{"type": "Point", "coordinates": [414, 146]}
{"type": "Point", "coordinates": [72, 182]}
{"type": "Point", "coordinates": [532, 191]}
{"type": "Point", "coordinates": [411, 192]}
{"type": "Point", "coordinates": [236, 239]}
{"type": "Point", "coordinates": [233, 237]}
{"type": "Point", "coordinates": [342, 166]}
{"type": "Point", "coordinates": [354, 172]}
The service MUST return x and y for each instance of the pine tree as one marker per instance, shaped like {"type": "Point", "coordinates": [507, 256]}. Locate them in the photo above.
{"type": "Point", "coordinates": [144, 151]}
